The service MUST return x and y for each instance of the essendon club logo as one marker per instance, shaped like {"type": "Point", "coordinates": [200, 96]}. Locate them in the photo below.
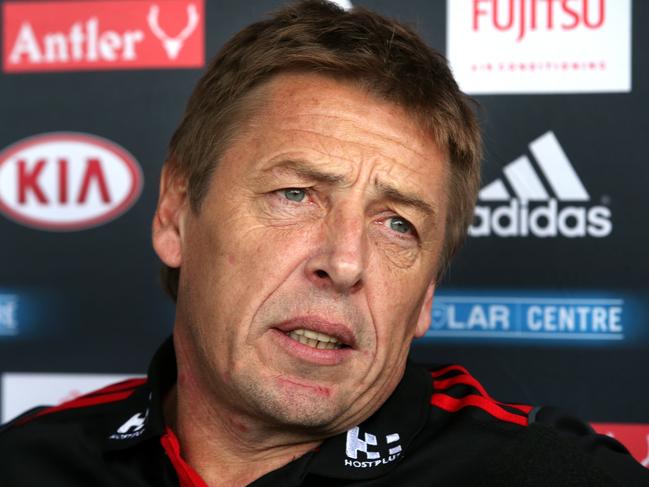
{"type": "Point", "coordinates": [89, 35]}
{"type": "Point", "coordinates": [67, 181]}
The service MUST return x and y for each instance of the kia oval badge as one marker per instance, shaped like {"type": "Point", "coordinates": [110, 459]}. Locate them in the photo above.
{"type": "Point", "coordinates": [64, 181]}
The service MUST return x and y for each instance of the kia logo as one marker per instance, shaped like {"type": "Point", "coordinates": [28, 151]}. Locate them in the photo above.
{"type": "Point", "coordinates": [67, 181]}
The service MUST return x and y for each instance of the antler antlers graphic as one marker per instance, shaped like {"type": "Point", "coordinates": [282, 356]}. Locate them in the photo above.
{"type": "Point", "coordinates": [172, 45]}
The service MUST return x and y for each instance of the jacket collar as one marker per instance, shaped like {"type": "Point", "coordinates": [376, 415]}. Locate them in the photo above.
{"type": "Point", "coordinates": [379, 443]}
{"type": "Point", "coordinates": [139, 417]}
{"type": "Point", "coordinates": [368, 450]}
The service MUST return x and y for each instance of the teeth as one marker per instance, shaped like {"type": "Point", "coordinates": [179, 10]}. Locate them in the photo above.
{"type": "Point", "coordinates": [311, 334]}
{"type": "Point", "coordinates": [314, 339]}
{"type": "Point", "coordinates": [314, 335]}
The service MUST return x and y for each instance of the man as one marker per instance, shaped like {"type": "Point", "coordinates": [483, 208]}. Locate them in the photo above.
{"type": "Point", "coordinates": [321, 180]}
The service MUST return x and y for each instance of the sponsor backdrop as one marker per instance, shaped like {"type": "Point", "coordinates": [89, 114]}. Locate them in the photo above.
{"type": "Point", "coordinates": [548, 301]}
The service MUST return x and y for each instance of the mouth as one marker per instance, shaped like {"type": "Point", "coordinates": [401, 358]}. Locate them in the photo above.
{"type": "Point", "coordinates": [315, 339]}
{"type": "Point", "coordinates": [319, 333]}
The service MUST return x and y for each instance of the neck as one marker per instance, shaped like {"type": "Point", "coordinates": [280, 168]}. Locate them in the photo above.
{"type": "Point", "coordinates": [225, 447]}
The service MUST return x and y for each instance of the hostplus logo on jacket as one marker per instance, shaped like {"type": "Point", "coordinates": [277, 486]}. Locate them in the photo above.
{"type": "Point", "coordinates": [363, 453]}
{"type": "Point", "coordinates": [532, 211]}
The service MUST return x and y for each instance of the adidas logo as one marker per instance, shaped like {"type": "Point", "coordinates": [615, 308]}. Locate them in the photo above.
{"type": "Point", "coordinates": [532, 211]}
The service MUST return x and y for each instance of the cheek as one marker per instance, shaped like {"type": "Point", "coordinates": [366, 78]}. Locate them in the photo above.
{"type": "Point", "coordinates": [395, 300]}
{"type": "Point", "coordinates": [248, 266]}
{"type": "Point", "coordinates": [395, 255]}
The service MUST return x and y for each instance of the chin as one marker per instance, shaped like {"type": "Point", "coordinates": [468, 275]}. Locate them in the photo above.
{"type": "Point", "coordinates": [313, 417]}
{"type": "Point", "coordinates": [313, 408]}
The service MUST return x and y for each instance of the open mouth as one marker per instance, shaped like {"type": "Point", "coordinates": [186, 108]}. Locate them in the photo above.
{"type": "Point", "coordinates": [321, 340]}
{"type": "Point", "coordinates": [315, 339]}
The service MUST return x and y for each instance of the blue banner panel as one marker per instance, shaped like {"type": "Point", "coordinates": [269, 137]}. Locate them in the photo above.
{"type": "Point", "coordinates": [8, 314]}
{"type": "Point", "coordinates": [610, 318]}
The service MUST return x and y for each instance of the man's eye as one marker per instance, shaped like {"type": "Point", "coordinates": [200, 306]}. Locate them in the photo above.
{"type": "Point", "coordinates": [294, 194]}
{"type": "Point", "coordinates": [400, 225]}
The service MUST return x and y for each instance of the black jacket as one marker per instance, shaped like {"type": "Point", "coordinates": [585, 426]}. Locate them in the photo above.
{"type": "Point", "coordinates": [438, 429]}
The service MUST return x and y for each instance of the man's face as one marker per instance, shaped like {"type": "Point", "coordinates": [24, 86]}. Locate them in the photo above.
{"type": "Point", "coordinates": [310, 265]}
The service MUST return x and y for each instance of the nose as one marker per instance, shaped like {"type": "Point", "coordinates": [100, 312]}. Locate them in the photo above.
{"type": "Point", "coordinates": [340, 259]}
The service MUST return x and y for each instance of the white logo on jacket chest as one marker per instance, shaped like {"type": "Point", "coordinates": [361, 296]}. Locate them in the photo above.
{"type": "Point", "coordinates": [132, 428]}
{"type": "Point", "coordinates": [369, 447]}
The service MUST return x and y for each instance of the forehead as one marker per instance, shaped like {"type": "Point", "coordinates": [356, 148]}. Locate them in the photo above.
{"type": "Point", "coordinates": [292, 100]}
{"type": "Point", "coordinates": [339, 123]}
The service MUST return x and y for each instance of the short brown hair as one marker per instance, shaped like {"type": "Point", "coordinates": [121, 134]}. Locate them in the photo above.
{"type": "Point", "coordinates": [362, 47]}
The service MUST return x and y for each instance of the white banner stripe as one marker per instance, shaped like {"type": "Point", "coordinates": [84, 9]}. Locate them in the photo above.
{"type": "Point", "coordinates": [557, 169]}
{"type": "Point", "coordinates": [494, 191]}
{"type": "Point", "coordinates": [524, 180]}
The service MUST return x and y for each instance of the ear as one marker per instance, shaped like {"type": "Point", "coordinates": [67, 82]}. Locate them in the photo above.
{"type": "Point", "coordinates": [425, 317]}
{"type": "Point", "coordinates": [169, 216]}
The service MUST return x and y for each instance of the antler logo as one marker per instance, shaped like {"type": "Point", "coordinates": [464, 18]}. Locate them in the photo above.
{"type": "Point", "coordinates": [172, 45]}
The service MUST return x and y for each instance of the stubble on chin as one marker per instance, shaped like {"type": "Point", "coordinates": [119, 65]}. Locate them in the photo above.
{"type": "Point", "coordinates": [285, 403]}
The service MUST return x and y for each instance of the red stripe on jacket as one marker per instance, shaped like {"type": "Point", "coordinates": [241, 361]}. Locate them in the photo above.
{"type": "Point", "coordinates": [482, 400]}
{"type": "Point", "coordinates": [105, 395]}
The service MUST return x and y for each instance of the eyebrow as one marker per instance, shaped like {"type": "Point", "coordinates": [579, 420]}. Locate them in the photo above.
{"type": "Point", "coordinates": [304, 170]}
{"type": "Point", "coordinates": [391, 193]}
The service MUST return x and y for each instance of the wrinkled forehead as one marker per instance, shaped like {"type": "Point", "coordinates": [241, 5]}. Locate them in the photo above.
{"type": "Point", "coordinates": [319, 129]}
{"type": "Point", "coordinates": [289, 97]}
{"type": "Point", "coordinates": [342, 109]}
